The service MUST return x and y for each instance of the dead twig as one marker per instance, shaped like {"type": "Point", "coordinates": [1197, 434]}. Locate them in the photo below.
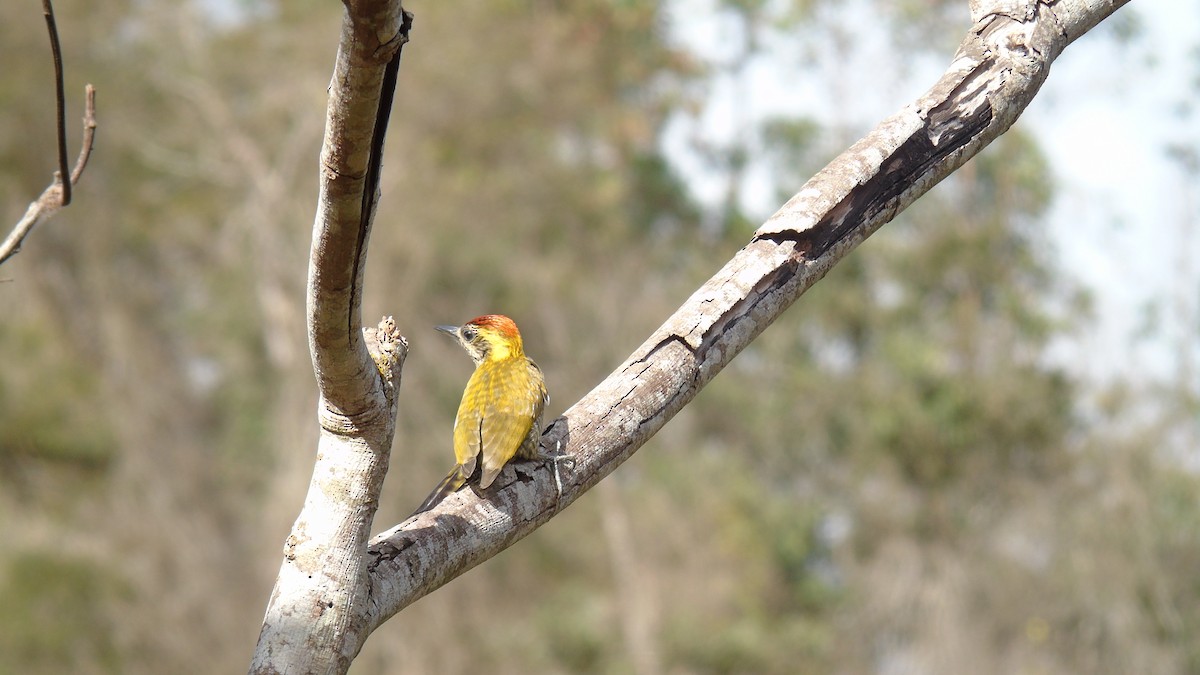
{"type": "Point", "coordinates": [60, 99]}
{"type": "Point", "coordinates": [58, 194]}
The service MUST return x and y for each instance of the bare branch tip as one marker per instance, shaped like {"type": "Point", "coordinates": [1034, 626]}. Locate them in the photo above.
{"type": "Point", "coordinates": [89, 107]}
{"type": "Point", "coordinates": [58, 193]}
{"type": "Point", "coordinates": [388, 330]}
{"type": "Point", "coordinates": [89, 133]}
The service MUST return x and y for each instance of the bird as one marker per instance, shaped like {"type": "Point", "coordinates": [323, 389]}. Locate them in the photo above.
{"type": "Point", "coordinates": [500, 416]}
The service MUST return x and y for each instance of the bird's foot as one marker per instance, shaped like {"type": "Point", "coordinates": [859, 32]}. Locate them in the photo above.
{"type": "Point", "coordinates": [557, 458]}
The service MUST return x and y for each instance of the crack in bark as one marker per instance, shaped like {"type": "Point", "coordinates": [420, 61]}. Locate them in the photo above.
{"type": "Point", "coordinates": [661, 345]}
{"type": "Point", "coordinates": [897, 173]}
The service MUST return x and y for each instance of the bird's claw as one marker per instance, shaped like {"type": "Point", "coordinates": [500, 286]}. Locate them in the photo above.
{"type": "Point", "coordinates": [557, 458]}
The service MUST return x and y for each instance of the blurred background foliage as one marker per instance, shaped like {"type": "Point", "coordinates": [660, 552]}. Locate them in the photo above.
{"type": "Point", "coordinates": [894, 478]}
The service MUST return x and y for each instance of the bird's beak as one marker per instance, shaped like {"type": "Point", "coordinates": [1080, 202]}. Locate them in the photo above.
{"type": "Point", "coordinates": [452, 331]}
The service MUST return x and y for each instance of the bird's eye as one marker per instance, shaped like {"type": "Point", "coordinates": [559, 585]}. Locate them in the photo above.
{"type": "Point", "coordinates": [469, 333]}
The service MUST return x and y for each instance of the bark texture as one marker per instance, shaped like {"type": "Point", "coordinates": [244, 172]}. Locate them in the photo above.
{"type": "Point", "coordinates": [313, 622]}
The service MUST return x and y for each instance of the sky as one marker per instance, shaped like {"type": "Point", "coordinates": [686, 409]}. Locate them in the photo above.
{"type": "Point", "coordinates": [1126, 218]}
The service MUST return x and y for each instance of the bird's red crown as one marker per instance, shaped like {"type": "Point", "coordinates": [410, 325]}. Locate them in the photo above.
{"type": "Point", "coordinates": [499, 323]}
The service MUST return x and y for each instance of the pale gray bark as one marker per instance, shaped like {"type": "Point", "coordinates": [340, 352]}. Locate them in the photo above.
{"type": "Point", "coordinates": [314, 621]}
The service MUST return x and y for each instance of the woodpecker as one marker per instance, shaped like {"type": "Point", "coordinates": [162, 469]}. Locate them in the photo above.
{"type": "Point", "coordinates": [500, 416]}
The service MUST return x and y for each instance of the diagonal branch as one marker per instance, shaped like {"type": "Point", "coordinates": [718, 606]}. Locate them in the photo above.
{"type": "Point", "coordinates": [999, 67]}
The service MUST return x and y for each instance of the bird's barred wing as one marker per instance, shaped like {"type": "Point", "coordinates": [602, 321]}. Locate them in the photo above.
{"type": "Point", "coordinates": [502, 434]}
{"type": "Point", "coordinates": [500, 410]}
{"type": "Point", "coordinates": [517, 405]}
{"type": "Point", "coordinates": [468, 425]}
{"type": "Point", "coordinates": [466, 440]}
{"type": "Point", "coordinates": [531, 444]}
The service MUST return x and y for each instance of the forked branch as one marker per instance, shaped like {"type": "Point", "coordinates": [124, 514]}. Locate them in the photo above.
{"type": "Point", "coordinates": [314, 623]}
{"type": "Point", "coordinates": [58, 194]}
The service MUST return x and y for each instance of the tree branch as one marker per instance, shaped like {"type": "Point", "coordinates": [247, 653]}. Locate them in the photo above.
{"type": "Point", "coordinates": [58, 194]}
{"type": "Point", "coordinates": [60, 100]}
{"type": "Point", "coordinates": [312, 624]}
{"type": "Point", "coordinates": [999, 67]}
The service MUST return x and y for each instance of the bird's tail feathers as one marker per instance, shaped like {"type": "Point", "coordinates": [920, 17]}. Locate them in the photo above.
{"type": "Point", "coordinates": [452, 482]}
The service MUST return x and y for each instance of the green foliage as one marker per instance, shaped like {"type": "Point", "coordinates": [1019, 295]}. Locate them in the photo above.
{"type": "Point", "coordinates": [576, 630]}
{"type": "Point", "coordinates": [62, 426]}
{"type": "Point", "coordinates": [56, 616]}
{"type": "Point", "coordinates": [659, 200]}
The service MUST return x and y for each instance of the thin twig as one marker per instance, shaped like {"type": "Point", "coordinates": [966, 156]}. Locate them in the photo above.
{"type": "Point", "coordinates": [50, 200]}
{"type": "Point", "coordinates": [60, 99]}
{"type": "Point", "coordinates": [58, 194]}
{"type": "Point", "coordinates": [89, 133]}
